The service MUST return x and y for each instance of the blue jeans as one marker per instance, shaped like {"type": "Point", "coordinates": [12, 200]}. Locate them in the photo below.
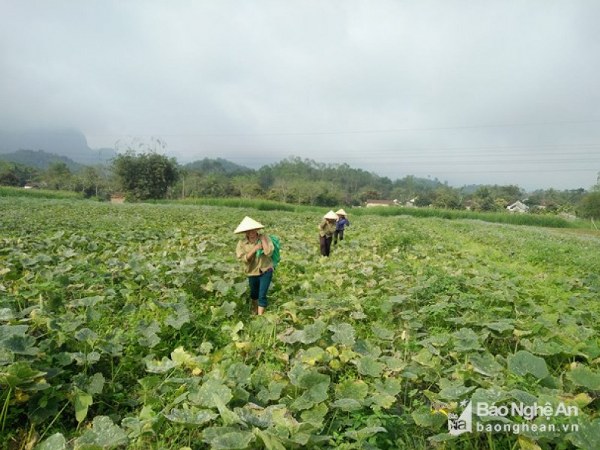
{"type": "Point", "coordinates": [259, 285]}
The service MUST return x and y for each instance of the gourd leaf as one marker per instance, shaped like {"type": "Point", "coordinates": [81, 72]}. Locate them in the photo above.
{"type": "Point", "coordinates": [343, 333]}
{"type": "Point", "coordinates": [354, 389]}
{"type": "Point", "coordinates": [81, 401]}
{"type": "Point", "coordinates": [364, 433]}
{"type": "Point", "coordinates": [19, 374]}
{"type": "Point", "coordinates": [347, 404]}
{"type": "Point", "coordinates": [367, 365]}
{"type": "Point", "coordinates": [523, 363]}
{"type": "Point", "coordinates": [586, 436]}
{"type": "Point", "coordinates": [584, 376]}
{"type": "Point", "coordinates": [191, 416]}
{"type": "Point", "coordinates": [162, 366]}
{"type": "Point", "coordinates": [204, 396]}
{"type": "Point", "coordinates": [485, 364]}
{"type": "Point", "coordinates": [227, 438]}
{"type": "Point", "coordinates": [104, 434]}
{"type": "Point", "coordinates": [55, 442]}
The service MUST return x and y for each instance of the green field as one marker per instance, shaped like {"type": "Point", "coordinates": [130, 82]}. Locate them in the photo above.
{"type": "Point", "coordinates": [127, 326]}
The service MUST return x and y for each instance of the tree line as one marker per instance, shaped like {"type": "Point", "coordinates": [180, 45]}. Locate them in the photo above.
{"type": "Point", "coordinates": [150, 175]}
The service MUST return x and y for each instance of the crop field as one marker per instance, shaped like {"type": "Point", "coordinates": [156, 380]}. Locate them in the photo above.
{"type": "Point", "coordinates": [128, 326]}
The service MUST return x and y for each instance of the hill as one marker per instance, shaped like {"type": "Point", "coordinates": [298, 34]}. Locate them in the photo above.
{"type": "Point", "coordinates": [39, 159]}
{"type": "Point", "coordinates": [218, 165]}
{"type": "Point", "coordinates": [67, 142]}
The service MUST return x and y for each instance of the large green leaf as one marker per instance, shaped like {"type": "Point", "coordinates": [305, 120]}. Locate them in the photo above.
{"type": "Point", "coordinates": [271, 392]}
{"type": "Point", "coordinates": [306, 378]}
{"type": "Point", "coordinates": [191, 416]}
{"type": "Point", "coordinates": [205, 395]}
{"type": "Point", "coordinates": [584, 376]}
{"type": "Point", "coordinates": [180, 317]}
{"type": "Point", "coordinates": [427, 418]}
{"type": "Point", "coordinates": [148, 335]}
{"type": "Point", "coordinates": [347, 404]}
{"type": "Point", "coordinates": [364, 433]}
{"type": "Point", "coordinates": [6, 314]}
{"type": "Point", "coordinates": [317, 393]}
{"type": "Point", "coordinates": [310, 333]}
{"type": "Point", "coordinates": [367, 365]}
{"type": "Point", "coordinates": [343, 333]}
{"type": "Point", "coordinates": [523, 363]}
{"type": "Point", "coordinates": [227, 438]}
{"type": "Point", "coordinates": [466, 340]}
{"type": "Point", "coordinates": [586, 436]}
{"type": "Point", "coordinates": [354, 389]}
{"type": "Point", "coordinates": [95, 384]}
{"type": "Point", "coordinates": [81, 401]}
{"type": "Point", "coordinates": [486, 364]}
{"type": "Point", "coordinates": [161, 366]}
{"type": "Point", "coordinates": [55, 442]}
{"type": "Point", "coordinates": [104, 435]}
{"type": "Point", "coordinates": [19, 374]}
{"type": "Point", "coordinates": [453, 390]}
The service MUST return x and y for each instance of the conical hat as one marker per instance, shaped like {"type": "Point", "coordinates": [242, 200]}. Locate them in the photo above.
{"type": "Point", "coordinates": [248, 224]}
{"type": "Point", "coordinates": [330, 215]}
{"type": "Point", "coordinates": [341, 212]}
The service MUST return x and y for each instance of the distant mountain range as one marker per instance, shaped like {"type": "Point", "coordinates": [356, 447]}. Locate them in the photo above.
{"type": "Point", "coordinates": [218, 165]}
{"type": "Point", "coordinates": [24, 146]}
{"type": "Point", "coordinates": [40, 148]}
{"type": "Point", "coordinates": [39, 159]}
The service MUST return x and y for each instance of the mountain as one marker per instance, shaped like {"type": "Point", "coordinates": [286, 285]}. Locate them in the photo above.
{"type": "Point", "coordinates": [69, 143]}
{"type": "Point", "coordinates": [218, 165]}
{"type": "Point", "coordinates": [38, 159]}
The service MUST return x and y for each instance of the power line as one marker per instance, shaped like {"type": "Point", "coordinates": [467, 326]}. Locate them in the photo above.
{"type": "Point", "coordinates": [485, 162]}
{"type": "Point", "coordinates": [366, 131]}
{"type": "Point", "coordinates": [429, 172]}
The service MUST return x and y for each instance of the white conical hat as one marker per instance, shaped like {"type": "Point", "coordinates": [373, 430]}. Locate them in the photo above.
{"type": "Point", "coordinates": [248, 224]}
{"type": "Point", "coordinates": [330, 215]}
{"type": "Point", "coordinates": [341, 212]}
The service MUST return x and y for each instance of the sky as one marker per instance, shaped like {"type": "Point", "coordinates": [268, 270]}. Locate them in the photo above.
{"type": "Point", "coordinates": [468, 92]}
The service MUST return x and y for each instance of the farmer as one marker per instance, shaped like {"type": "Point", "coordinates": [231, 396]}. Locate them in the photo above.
{"type": "Point", "coordinates": [339, 225]}
{"type": "Point", "coordinates": [255, 250]}
{"type": "Point", "coordinates": [326, 230]}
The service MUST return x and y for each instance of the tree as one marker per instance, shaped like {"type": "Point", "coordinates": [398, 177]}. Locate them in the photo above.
{"type": "Point", "coordinates": [484, 199]}
{"type": "Point", "coordinates": [589, 206]}
{"type": "Point", "coordinates": [14, 174]}
{"type": "Point", "coordinates": [596, 187]}
{"type": "Point", "coordinates": [248, 186]}
{"type": "Point", "coordinates": [58, 176]}
{"type": "Point", "coordinates": [446, 197]}
{"type": "Point", "coordinates": [146, 175]}
{"type": "Point", "coordinates": [92, 182]}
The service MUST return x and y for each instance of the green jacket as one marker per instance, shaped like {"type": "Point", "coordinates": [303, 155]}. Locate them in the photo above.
{"type": "Point", "coordinates": [326, 228]}
{"type": "Point", "coordinates": [254, 265]}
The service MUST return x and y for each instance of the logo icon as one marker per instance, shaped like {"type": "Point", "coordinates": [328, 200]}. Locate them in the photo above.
{"type": "Point", "coordinates": [458, 425]}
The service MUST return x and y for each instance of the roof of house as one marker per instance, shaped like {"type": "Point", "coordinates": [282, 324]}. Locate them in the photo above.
{"type": "Point", "coordinates": [518, 205]}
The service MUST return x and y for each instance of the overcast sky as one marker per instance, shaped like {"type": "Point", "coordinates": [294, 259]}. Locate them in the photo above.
{"type": "Point", "coordinates": [496, 92]}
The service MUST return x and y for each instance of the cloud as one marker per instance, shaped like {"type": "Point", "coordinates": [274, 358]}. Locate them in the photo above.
{"type": "Point", "coordinates": [500, 92]}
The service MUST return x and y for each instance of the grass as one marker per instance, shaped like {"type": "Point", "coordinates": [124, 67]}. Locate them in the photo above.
{"type": "Point", "coordinates": [238, 202]}
{"type": "Point", "coordinates": [8, 191]}
{"type": "Point", "coordinates": [549, 221]}
{"type": "Point", "coordinates": [495, 217]}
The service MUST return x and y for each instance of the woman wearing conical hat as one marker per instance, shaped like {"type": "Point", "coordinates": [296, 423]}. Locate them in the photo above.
{"type": "Point", "coordinates": [255, 250]}
{"type": "Point", "coordinates": [341, 223]}
{"type": "Point", "coordinates": [326, 230]}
